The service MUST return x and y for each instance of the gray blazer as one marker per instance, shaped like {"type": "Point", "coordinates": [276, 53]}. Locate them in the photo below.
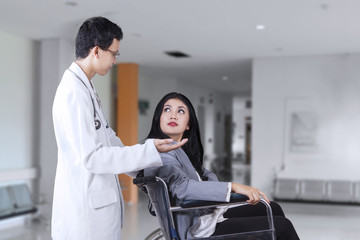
{"type": "Point", "coordinates": [183, 183]}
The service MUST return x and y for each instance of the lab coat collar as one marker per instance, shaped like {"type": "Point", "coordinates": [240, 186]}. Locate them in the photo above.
{"type": "Point", "coordinates": [77, 69]}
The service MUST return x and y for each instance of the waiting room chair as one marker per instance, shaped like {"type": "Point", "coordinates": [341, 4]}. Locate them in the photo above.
{"type": "Point", "coordinates": [15, 200]}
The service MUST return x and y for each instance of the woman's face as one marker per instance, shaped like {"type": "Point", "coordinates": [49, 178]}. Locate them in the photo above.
{"type": "Point", "coordinates": [174, 119]}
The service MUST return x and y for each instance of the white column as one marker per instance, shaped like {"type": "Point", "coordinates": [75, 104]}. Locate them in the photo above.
{"type": "Point", "coordinates": [55, 56]}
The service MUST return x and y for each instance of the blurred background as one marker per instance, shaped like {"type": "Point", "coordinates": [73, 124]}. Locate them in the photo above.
{"type": "Point", "coordinates": [275, 85]}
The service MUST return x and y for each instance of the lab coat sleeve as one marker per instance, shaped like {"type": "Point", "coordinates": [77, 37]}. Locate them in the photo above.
{"type": "Point", "coordinates": [114, 140]}
{"type": "Point", "coordinates": [78, 123]}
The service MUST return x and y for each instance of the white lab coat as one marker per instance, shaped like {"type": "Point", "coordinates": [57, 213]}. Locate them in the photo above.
{"type": "Point", "coordinates": [87, 202]}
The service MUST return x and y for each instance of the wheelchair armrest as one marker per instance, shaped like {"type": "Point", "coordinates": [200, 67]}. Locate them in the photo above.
{"type": "Point", "coordinates": [140, 181]}
{"type": "Point", "coordinates": [234, 197]}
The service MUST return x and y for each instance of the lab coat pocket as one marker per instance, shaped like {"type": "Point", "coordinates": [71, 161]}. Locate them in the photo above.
{"type": "Point", "coordinates": [103, 198]}
{"type": "Point", "coordinates": [104, 217]}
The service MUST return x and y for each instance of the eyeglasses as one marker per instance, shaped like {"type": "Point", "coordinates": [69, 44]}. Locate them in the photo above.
{"type": "Point", "coordinates": [115, 54]}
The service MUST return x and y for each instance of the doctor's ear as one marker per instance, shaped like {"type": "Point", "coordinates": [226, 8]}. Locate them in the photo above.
{"type": "Point", "coordinates": [95, 51]}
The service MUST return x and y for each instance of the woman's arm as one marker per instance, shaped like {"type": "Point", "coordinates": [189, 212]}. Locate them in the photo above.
{"type": "Point", "coordinates": [253, 193]}
{"type": "Point", "coordinates": [210, 176]}
{"type": "Point", "coordinates": [182, 186]}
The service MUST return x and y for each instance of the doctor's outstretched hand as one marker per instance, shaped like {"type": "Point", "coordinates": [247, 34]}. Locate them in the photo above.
{"type": "Point", "coordinates": [166, 145]}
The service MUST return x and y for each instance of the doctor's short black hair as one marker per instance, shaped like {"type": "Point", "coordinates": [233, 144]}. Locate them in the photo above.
{"type": "Point", "coordinates": [96, 31]}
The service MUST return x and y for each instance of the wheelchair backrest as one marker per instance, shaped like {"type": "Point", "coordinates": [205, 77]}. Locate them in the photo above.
{"type": "Point", "coordinates": [159, 197]}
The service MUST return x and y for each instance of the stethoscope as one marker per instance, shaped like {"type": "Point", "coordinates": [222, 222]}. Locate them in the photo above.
{"type": "Point", "coordinates": [97, 122]}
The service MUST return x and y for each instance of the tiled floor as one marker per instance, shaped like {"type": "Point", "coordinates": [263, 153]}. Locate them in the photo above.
{"type": "Point", "coordinates": [312, 222]}
{"type": "Point", "coordinates": [320, 222]}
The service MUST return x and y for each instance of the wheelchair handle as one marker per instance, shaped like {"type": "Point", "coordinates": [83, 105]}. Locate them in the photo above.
{"type": "Point", "coordinates": [140, 181]}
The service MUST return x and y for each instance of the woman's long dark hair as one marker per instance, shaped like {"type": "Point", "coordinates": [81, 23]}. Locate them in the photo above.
{"type": "Point", "coordinates": [193, 148]}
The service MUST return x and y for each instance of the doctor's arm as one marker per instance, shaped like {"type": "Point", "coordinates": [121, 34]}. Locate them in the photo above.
{"type": "Point", "coordinates": [89, 144]}
{"type": "Point", "coordinates": [114, 140]}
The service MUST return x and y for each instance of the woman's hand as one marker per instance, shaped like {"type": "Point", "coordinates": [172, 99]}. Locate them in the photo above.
{"type": "Point", "coordinates": [166, 145]}
{"type": "Point", "coordinates": [253, 193]}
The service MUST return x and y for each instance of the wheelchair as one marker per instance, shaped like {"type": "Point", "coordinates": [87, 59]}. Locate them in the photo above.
{"type": "Point", "coordinates": [157, 191]}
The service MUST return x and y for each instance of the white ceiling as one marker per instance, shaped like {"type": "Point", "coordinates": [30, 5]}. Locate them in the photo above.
{"type": "Point", "coordinates": [219, 35]}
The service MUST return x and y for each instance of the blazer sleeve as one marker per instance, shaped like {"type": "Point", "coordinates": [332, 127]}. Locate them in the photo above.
{"type": "Point", "coordinates": [182, 187]}
{"type": "Point", "coordinates": [209, 175]}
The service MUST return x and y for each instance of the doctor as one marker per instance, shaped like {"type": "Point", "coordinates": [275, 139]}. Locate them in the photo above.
{"type": "Point", "coordinates": [87, 197]}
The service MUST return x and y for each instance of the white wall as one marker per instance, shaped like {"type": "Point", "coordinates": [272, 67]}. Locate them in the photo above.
{"type": "Point", "coordinates": [326, 86]}
{"type": "Point", "coordinates": [30, 73]}
{"type": "Point", "coordinates": [104, 86]}
{"type": "Point", "coordinates": [17, 84]}
{"type": "Point", "coordinates": [152, 90]}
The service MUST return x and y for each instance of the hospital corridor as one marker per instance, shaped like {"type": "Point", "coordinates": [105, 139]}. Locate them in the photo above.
{"type": "Point", "coordinates": [273, 88]}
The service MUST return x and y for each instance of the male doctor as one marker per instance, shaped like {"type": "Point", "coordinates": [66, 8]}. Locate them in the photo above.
{"type": "Point", "coordinates": [87, 197]}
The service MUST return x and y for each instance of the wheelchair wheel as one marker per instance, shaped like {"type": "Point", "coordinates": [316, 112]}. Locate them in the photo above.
{"type": "Point", "coordinates": [155, 235]}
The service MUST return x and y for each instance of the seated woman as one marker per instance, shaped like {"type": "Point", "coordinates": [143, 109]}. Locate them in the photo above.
{"type": "Point", "coordinates": [186, 178]}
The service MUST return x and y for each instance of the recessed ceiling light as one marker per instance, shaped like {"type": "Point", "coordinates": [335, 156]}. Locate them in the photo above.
{"type": "Point", "coordinates": [71, 4]}
{"type": "Point", "coordinates": [324, 6]}
{"type": "Point", "coordinates": [225, 78]}
{"type": "Point", "coordinates": [260, 27]}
